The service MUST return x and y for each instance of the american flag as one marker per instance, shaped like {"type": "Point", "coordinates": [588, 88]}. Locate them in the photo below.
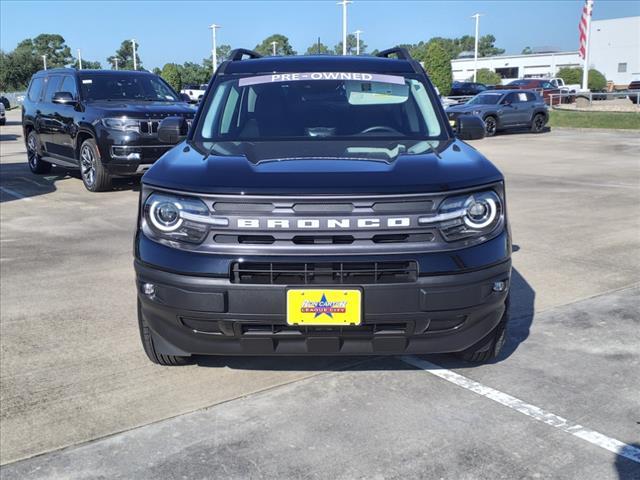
{"type": "Point", "coordinates": [582, 27]}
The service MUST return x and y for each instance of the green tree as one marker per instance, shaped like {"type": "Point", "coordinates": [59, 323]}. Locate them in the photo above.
{"type": "Point", "coordinates": [527, 51]}
{"type": "Point", "coordinates": [87, 65]}
{"type": "Point", "coordinates": [283, 46]}
{"type": "Point", "coordinates": [487, 48]}
{"type": "Point", "coordinates": [16, 69]}
{"type": "Point", "coordinates": [171, 73]}
{"type": "Point", "coordinates": [125, 56]}
{"type": "Point", "coordinates": [52, 45]}
{"type": "Point", "coordinates": [318, 49]}
{"type": "Point", "coordinates": [595, 81]}
{"type": "Point", "coordinates": [157, 71]}
{"type": "Point", "coordinates": [488, 77]}
{"type": "Point", "coordinates": [351, 46]}
{"type": "Point", "coordinates": [193, 73]}
{"type": "Point", "coordinates": [437, 64]}
{"type": "Point", "coordinates": [222, 53]}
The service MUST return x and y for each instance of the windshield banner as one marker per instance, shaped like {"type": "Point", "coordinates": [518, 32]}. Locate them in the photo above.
{"type": "Point", "coordinates": [306, 76]}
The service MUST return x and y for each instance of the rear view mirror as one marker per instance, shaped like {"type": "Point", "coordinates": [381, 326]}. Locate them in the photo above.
{"type": "Point", "coordinates": [173, 130]}
{"type": "Point", "coordinates": [470, 127]}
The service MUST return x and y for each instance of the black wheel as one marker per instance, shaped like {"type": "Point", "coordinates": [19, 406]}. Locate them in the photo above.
{"type": "Point", "coordinates": [3, 121]}
{"type": "Point", "coordinates": [94, 176]}
{"type": "Point", "coordinates": [490, 126]}
{"type": "Point", "coordinates": [490, 346]}
{"type": "Point", "coordinates": [36, 164]}
{"type": "Point", "coordinates": [537, 124]}
{"type": "Point", "coordinates": [149, 348]}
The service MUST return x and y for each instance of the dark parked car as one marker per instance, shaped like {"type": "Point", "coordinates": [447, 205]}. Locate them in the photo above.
{"type": "Point", "coordinates": [459, 89]}
{"type": "Point", "coordinates": [543, 87]}
{"type": "Point", "coordinates": [103, 122]}
{"type": "Point", "coordinates": [503, 109]}
{"type": "Point", "coordinates": [322, 205]}
{"type": "Point", "coordinates": [634, 92]}
{"type": "Point", "coordinates": [5, 102]}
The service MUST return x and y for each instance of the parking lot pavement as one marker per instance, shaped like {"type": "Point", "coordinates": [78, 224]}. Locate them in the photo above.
{"type": "Point", "coordinates": [385, 419]}
{"type": "Point", "coordinates": [72, 369]}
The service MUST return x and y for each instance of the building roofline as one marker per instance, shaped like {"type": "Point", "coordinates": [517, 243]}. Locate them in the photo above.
{"type": "Point", "coordinates": [521, 55]}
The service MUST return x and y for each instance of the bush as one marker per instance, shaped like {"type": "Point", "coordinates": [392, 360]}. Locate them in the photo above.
{"type": "Point", "coordinates": [171, 74]}
{"type": "Point", "coordinates": [437, 64]}
{"type": "Point", "coordinates": [488, 77]}
{"type": "Point", "coordinates": [596, 80]}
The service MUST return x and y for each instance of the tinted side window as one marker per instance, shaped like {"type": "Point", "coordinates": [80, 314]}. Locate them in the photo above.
{"type": "Point", "coordinates": [512, 98]}
{"type": "Point", "coordinates": [52, 87]}
{"type": "Point", "coordinates": [69, 85]}
{"type": "Point", "coordinates": [546, 85]}
{"type": "Point", "coordinates": [531, 97]}
{"type": "Point", "coordinates": [35, 89]}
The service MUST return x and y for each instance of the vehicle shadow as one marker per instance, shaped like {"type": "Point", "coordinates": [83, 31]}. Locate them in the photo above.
{"type": "Point", "coordinates": [626, 468]}
{"type": "Point", "coordinates": [522, 308]}
{"type": "Point", "coordinates": [18, 182]}
{"type": "Point", "coordinates": [8, 137]}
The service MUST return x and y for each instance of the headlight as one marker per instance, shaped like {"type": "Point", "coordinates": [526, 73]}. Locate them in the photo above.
{"type": "Point", "coordinates": [183, 219]}
{"type": "Point", "coordinates": [465, 216]}
{"type": "Point", "coordinates": [122, 124]}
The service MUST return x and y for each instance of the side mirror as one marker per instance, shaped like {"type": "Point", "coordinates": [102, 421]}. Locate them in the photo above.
{"type": "Point", "coordinates": [172, 130]}
{"type": "Point", "coordinates": [185, 97]}
{"type": "Point", "coordinates": [64, 98]}
{"type": "Point", "coordinates": [470, 127]}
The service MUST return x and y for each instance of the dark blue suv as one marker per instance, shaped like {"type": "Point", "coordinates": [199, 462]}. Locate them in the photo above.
{"type": "Point", "coordinates": [322, 205]}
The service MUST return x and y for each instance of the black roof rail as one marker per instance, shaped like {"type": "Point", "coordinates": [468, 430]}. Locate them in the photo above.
{"type": "Point", "coordinates": [401, 52]}
{"type": "Point", "coordinates": [238, 53]}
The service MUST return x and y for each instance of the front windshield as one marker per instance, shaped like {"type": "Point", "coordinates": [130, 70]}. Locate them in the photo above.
{"type": "Point", "coordinates": [126, 86]}
{"type": "Point", "coordinates": [485, 99]}
{"type": "Point", "coordinates": [380, 112]}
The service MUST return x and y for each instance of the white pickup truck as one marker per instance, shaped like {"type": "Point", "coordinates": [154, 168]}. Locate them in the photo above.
{"type": "Point", "coordinates": [565, 88]}
{"type": "Point", "coordinates": [195, 92]}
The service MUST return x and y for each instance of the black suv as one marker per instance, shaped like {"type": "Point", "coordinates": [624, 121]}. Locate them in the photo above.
{"type": "Point", "coordinates": [104, 122]}
{"type": "Point", "coordinates": [463, 89]}
{"type": "Point", "coordinates": [322, 205]}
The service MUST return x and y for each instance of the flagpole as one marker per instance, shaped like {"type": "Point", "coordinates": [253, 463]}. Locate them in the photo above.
{"type": "Point", "coordinates": [585, 69]}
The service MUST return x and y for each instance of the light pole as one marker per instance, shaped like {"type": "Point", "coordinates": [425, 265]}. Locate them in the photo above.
{"type": "Point", "coordinates": [79, 60]}
{"type": "Point", "coordinates": [116, 60]}
{"type": "Point", "coordinates": [44, 60]}
{"type": "Point", "coordinates": [135, 61]}
{"type": "Point", "coordinates": [214, 51]}
{"type": "Point", "coordinates": [358, 32]}
{"type": "Point", "coordinates": [344, 4]}
{"type": "Point", "coordinates": [475, 50]}
{"type": "Point", "coordinates": [274, 45]}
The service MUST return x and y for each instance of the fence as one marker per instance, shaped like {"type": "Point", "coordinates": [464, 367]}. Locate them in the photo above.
{"type": "Point", "coordinates": [15, 98]}
{"type": "Point", "coordinates": [586, 99]}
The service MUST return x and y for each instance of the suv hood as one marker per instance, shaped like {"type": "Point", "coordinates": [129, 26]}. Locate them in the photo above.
{"type": "Point", "coordinates": [143, 109]}
{"type": "Point", "coordinates": [457, 166]}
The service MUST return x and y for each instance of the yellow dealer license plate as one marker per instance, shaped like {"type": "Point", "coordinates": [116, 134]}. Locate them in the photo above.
{"type": "Point", "coordinates": [324, 307]}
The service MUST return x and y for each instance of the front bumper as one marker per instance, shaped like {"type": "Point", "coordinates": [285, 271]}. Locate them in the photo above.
{"type": "Point", "coordinates": [191, 314]}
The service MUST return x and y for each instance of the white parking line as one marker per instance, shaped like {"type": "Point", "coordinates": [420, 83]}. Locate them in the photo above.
{"type": "Point", "coordinates": [14, 194]}
{"type": "Point", "coordinates": [591, 436]}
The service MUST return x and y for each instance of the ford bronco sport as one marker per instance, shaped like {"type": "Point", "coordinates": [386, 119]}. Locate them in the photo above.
{"type": "Point", "coordinates": [322, 205]}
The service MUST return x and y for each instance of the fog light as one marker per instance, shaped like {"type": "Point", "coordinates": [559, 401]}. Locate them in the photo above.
{"type": "Point", "coordinates": [149, 289]}
{"type": "Point", "coordinates": [499, 286]}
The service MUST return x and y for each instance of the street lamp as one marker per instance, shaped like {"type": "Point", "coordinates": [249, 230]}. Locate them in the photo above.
{"type": "Point", "coordinates": [358, 32]}
{"type": "Point", "coordinates": [44, 60]}
{"type": "Point", "coordinates": [116, 61]}
{"type": "Point", "coordinates": [344, 4]}
{"type": "Point", "coordinates": [274, 45]}
{"type": "Point", "coordinates": [475, 51]}
{"type": "Point", "coordinates": [79, 60]}
{"type": "Point", "coordinates": [214, 51]}
{"type": "Point", "coordinates": [135, 61]}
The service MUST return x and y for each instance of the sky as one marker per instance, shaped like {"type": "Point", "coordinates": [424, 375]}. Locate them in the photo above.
{"type": "Point", "coordinates": [177, 31]}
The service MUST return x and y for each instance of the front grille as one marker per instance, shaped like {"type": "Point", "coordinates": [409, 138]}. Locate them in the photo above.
{"type": "Point", "coordinates": [149, 127]}
{"type": "Point", "coordinates": [342, 273]}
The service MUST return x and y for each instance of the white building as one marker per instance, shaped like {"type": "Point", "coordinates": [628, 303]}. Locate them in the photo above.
{"type": "Point", "coordinates": [614, 50]}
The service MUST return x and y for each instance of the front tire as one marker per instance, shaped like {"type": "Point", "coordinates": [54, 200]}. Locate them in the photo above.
{"type": "Point", "coordinates": [36, 164]}
{"type": "Point", "coordinates": [490, 126]}
{"type": "Point", "coordinates": [94, 176]}
{"type": "Point", "coordinates": [490, 346]}
{"type": "Point", "coordinates": [150, 349]}
{"type": "Point", "coordinates": [537, 124]}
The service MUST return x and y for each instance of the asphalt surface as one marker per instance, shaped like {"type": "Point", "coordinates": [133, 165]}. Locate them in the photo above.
{"type": "Point", "coordinates": [72, 369]}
